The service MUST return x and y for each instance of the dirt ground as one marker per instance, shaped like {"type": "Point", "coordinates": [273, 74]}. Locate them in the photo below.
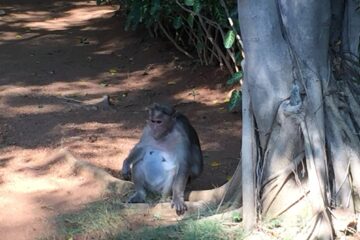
{"type": "Point", "coordinates": [57, 60]}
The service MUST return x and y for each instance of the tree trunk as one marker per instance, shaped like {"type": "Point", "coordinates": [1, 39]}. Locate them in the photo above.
{"type": "Point", "coordinates": [300, 151]}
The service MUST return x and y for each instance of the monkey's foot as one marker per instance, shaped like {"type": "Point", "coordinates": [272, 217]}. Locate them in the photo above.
{"type": "Point", "coordinates": [179, 205]}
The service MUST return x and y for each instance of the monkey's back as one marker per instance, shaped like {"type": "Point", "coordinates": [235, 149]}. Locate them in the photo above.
{"type": "Point", "coordinates": [196, 162]}
{"type": "Point", "coordinates": [188, 128]}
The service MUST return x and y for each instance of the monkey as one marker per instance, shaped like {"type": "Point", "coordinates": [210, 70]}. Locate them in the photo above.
{"type": "Point", "coordinates": [167, 155]}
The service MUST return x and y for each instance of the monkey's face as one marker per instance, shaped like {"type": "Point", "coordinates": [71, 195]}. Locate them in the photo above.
{"type": "Point", "coordinates": [160, 123]}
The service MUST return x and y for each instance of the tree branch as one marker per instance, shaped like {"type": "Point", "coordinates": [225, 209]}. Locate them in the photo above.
{"type": "Point", "coordinates": [173, 41]}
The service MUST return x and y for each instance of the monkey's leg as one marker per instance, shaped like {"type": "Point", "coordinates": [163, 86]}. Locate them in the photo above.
{"type": "Point", "coordinates": [138, 197]}
{"type": "Point", "coordinates": [167, 186]}
{"type": "Point", "coordinates": [196, 162]}
{"type": "Point", "coordinates": [178, 191]}
{"type": "Point", "coordinates": [139, 182]}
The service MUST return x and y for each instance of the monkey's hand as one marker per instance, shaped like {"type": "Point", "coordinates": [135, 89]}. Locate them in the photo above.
{"type": "Point", "coordinates": [126, 172]}
{"type": "Point", "coordinates": [179, 205]}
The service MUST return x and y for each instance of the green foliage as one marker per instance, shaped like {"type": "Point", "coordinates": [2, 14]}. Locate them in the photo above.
{"type": "Point", "coordinates": [274, 223]}
{"type": "Point", "coordinates": [98, 219]}
{"type": "Point", "coordinates": [191, 23]}
{"type": "Point", "coordinates": [219, 15]}
{"type": "Point", "coordinates": [229, 39]}
{"type": "Point", "coordinates": [236, 217]}
{"type": "Point", "coordinates": [155, 7]}
{"type": "Point", "coordinates": [203, 230]}
{"type": "Point", "coordinates": [235, 78]}
{"type": "Point", "coordinates": [235, 100]}
{"type": "Point", "coordinates": [197, 6]}
{"type": "Point", "coordinates": [99, 2]}
{"type": "Point", "coordinates": [190, 20]}
{"type": "Point", "coordinates": [206, 28]}
{"type": "Point", "coordinates": [188, 230]}
{"type": "Point", "coordinates": [189, 3]}
{"type": "Point", "coordinates": [177, 23]}
{"type": "Point", "coordinates": [238, 58]}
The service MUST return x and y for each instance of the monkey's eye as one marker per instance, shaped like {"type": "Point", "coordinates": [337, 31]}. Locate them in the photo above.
{"type": "Point", "coordinates": [156, 121]}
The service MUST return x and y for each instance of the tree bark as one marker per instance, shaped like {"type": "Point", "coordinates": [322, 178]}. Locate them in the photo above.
{"type": "Point", "coordinates": [307, 121]}
{"type": "Point", "coordinates": [248, 157]}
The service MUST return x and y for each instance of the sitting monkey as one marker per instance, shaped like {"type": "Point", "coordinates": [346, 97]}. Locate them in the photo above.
{"type": "Point", "coordinates": [167, 155]}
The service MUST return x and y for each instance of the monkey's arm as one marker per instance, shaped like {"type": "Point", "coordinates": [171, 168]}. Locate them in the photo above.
{"type": "Point", "coordinates": [136, 154]}
{"type": "Point", "coordinates": [179, 185]}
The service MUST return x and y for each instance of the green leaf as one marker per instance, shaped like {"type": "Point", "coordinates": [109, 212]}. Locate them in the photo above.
{"type": "Point", "coordinates": [197, 6]}
{"type": "Point", "coordinates": [134, 16]}
{"type": "Point", "coordinates": [189, 3]}
{"type": "Point", "coordinates": [274, 223]}
{"type": "Point", "coordinates": [190, 20]}
{"type": "Point", "coordinates": [199, 45]}
{"type": "Point", "coordinates": [236, 23]}
{"type": "Point", "coordinates": [177, 23]}
{"type": "Point", "coordinates": [235, 78]}
{"type": "Point", "coordinates": [236, 217]}
{"type": "Point", "coordinates": [229, 39]}
{"type": "Point", "coordinates": [238, 58]}
{"type": "Point", "coordinates": [155, 7]}
{"type": "Point", "coordinates": [235, 100]}
{"type": "Point", "coordinates": [219, 16]}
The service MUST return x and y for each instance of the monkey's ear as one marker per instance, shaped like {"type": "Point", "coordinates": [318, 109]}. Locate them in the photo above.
{"type": "Point", "coordinates": [153, 106]}
{"type": "Point", "coordinates": [174, 114]}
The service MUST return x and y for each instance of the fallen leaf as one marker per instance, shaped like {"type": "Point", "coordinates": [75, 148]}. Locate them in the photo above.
{"type": "Point", "coordinates": [104, 84]}
{"type": "Point", "coordinates": [92, 139]}
{"type": "Point", "coordinates": [18, 36]}
{"type": "Point", "coordinates": [157, 216]}
{"type": "Point", "coordinates": [84, 41]}
{"type": "Point", "coordinates": [215, 163]}
{"type": "Point", "coordinates": [113, 71]}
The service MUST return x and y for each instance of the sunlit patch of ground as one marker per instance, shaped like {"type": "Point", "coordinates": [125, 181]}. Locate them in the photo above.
{"type": "Point", "coordinates": [39, 185]}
